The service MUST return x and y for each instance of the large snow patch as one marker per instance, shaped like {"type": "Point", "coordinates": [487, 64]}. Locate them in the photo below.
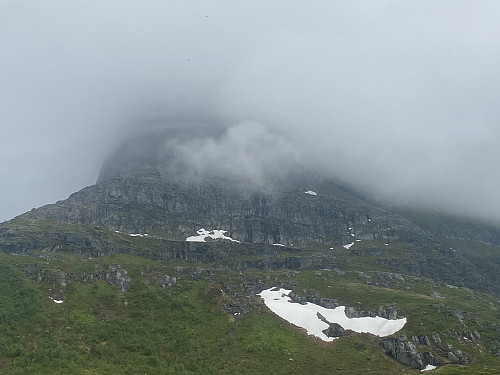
{"type": "Point", "coordinates": [306, 316]}
{"type": "Point", "coordinates": [213, 234]}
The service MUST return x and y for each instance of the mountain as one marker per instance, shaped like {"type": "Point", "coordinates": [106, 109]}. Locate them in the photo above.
{"type": "Point", "coordinates": [139, 293]}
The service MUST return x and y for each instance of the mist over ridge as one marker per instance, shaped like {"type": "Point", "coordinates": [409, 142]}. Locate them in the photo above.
{"type": "Point", "coordinates": [246, 150]}
{"type": "Point", "coordinates": [264, 154]}
{"type": "Point", "coordinates": [396, 99]}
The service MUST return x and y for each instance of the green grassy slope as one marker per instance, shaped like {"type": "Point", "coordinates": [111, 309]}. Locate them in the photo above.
{"type": "Point", "coordinates": [184, 329]}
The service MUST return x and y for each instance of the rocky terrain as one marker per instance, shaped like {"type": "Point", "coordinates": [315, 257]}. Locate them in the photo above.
{"type": "Point", "coordinates": [151, 201]}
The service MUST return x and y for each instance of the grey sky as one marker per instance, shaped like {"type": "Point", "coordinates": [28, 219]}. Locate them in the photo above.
{"type": "Point", "coordinates": [400, 97]}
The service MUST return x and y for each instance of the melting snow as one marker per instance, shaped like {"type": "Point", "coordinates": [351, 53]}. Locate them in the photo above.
{"type": "Point", "coordinates": [348, 246]}
{"type": "Point", "coordinates": [310, 192]}
{"type": "Point", "coordinates": [133, 234]}
{"type": "Point", "coordinates": [306, 316]}
{"type": "Point", "coordinates": [58, 301]}
{"type": "Point", "coordinates": [428, 368]}
{"type": "Point", "coordinates": [213, 234]}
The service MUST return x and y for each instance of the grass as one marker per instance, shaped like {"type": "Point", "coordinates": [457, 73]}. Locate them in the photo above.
{"type": "Point", "coordinates": [185, 330]}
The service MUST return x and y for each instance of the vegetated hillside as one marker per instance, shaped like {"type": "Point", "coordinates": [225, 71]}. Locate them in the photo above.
{"type": "Point", "coordinates": [139, 298]}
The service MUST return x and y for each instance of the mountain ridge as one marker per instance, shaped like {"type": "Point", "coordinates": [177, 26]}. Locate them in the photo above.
{"type": "Point", "coordinates": [300, 232]}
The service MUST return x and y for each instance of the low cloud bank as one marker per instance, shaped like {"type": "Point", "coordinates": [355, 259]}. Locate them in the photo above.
{"type": "Point", "coordinates": [398, 99]}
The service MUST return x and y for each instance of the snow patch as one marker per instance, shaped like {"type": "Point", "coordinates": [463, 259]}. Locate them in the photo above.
{"type": "Point", "coordinates": [348, 246]}
{"type": "Point", "coordinates": [133, 234]}
{"type": "Point", "coordinates": [310, 192]}
{"type": "Point", "coordinates": [278, 244]}
{"type": "Point", "coordinates": [428, 368]}
{"type": "Point", "coordinates": [213, 234]}
{"type": "Point", "coordinates": [58, 301]}
{"type": "Point", "coordinates": [307, 316]}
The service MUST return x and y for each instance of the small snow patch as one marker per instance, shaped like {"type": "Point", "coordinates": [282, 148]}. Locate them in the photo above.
{"type": "Point", "coordinates": [58, 301]}
{"type": "Point", "coordinates": [358, 240]}
{"type": "Point", "coordinates": [310, 192]}
{"type": "Point", "coordinates": [213, 234]}
{"type": "Point", "coordinates": [278, 244]}
{"type": "Point", "coordinates": [348, 246]}
{"type": "Point", "coordinates": [428, 368]}
{"type": "Point", "coordinates": [137, 235]}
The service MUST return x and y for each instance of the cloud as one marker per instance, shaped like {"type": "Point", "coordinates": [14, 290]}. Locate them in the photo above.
{"type": "Point", "coordinates": [247, 149]}
{"type": "Point", "coordinates": [398, 98]}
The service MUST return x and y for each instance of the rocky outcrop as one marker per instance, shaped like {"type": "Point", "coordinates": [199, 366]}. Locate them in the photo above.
{"type": "Point", "coordinates": [324, 302]}
{"type": "Point", "coordinates": [420, 351]}
{"type": "Point", "coordinates": [55, 278]}
{"type": "Point", "coordinates": [25, 236]}
{"type": "Point", "coordinates": [404, 351]}
{"type": "Point", "coordinates": [166, 282]}
{"type": "Point", "coordinates": [408, 352]}
{"type": "Point", "coordinates": [458, 357]}
{"type": "Point", "coordinates": [114, 275]}
{"type": "Point", "coordinates": [335, 330]}
{"type": "Point", "coordinates": [387, 312]}
{"type": "Point", "coordinates": [234, 309]}
{"type": "Point", "coordinates": [327, 303]}
{"type": "Point", "coordinates": [469, 337]}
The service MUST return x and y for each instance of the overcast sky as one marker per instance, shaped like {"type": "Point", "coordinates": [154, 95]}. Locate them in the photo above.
{"type": "Point", "coordinates": [398, 97]}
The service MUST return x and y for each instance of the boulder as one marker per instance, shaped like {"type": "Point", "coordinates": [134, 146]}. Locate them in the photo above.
{"type": "Point", "coordinates": [335, 330]}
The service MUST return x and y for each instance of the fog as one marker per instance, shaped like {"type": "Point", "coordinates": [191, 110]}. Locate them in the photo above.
{"type": "Point", "coordinates": [396, 98]}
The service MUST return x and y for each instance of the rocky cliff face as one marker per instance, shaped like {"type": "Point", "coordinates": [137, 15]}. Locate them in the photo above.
{"type": "Point", "coordinates": [150, 200]}
{"type": "Point", "coordinates": [312, 219]}
{"type": "Point", "coordinates": [409, 353]}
